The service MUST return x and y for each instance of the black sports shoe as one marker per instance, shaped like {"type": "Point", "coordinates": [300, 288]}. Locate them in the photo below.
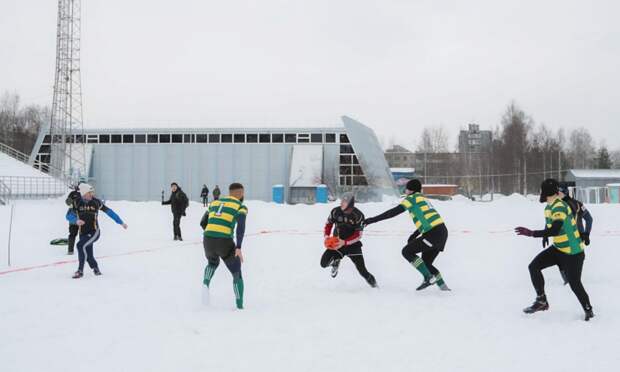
{"type": "Point", "coordinates": [97, 271]}
{"type": "Point", "coordinates": [70, 252]}
{"type": "Point", "coordinates": [372, 281]}
{"type": "Point", "coordinates": [426, 283]}
{"type": "Point", "coordinates": [78, 274]}
{"type": "Point", "coordinates": [335, 264]}
{"type": "Point", "coordinates": [589, 313]}
{"type": "Point", "coordinates": [179, 238]}
{"type": "Point", "coordinates": [540, 304]}
{"type": "Point", "coordinates": [176, 238]}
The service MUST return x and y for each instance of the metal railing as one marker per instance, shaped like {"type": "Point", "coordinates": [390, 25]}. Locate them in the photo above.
{"type": "Point", "coordinates": [41, 166]}
{"type": "Point", "coordinates": [16, 154]}
{"type": "Point", "coordinates": [19, 187]}
{"type": "Point", "coordinates": [5, 193]}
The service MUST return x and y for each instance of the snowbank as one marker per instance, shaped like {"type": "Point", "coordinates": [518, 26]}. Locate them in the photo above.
{"type": "Point", "coordinates": [13, 167]}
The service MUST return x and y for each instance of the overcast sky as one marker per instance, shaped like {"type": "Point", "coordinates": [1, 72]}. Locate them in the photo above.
{"type": "Point", "coordinates": [396, 65]}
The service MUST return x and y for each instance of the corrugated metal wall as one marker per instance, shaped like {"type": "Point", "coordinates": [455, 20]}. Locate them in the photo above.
{"type": "Point", "coordinates": [141, 171]}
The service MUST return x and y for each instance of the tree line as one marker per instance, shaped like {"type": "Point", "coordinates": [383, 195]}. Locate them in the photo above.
{"type": "Point", "coordinates": [19, 126]}
{"type": "Point", "coordinates": [520, 155]}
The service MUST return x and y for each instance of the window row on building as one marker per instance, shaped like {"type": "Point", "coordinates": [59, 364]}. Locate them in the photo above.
{"type": "Point", "coordinates": [350, 171]}
{"type": "Point", "coordinates": [203, 138]}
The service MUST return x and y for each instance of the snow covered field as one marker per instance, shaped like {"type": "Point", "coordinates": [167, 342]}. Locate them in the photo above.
{"type": "Point", "coordinates": [144, 313]}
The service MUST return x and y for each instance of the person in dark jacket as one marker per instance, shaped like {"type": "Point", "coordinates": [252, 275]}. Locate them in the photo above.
{"type": "Point", "coordinates": [73, 197]}
{"type": "Point", "coordinates": [178, 204]}
{"type": "Point", "coordinates": [216, 193]}
{"type": "Point", "coordinates": [204, 194]}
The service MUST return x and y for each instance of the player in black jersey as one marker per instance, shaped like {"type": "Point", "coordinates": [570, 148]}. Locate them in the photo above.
{"type": "Point", "coordinates": [346, 221]}
{"type": "Point", "coordinates": [86, 209]}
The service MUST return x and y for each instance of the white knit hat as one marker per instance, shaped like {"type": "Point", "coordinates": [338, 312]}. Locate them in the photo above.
{"type": "Point", "coordinates": [85, 188]}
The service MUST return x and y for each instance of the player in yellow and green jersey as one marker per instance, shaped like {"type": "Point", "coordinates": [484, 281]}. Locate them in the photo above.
{"type": "Point", "coordinates": [566, 252]}
{"type": "Point", "coordinates": [219, 223]}
{"type": "Point", "coordinates": [429, 238]}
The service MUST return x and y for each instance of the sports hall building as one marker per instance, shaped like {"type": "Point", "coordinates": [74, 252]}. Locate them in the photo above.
{"type": "Point", "coordinates": [137, 164]}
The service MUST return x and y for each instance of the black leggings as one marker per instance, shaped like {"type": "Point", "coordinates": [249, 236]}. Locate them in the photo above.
{"type": "Point", "coordinates": [73, 232]}
{"type": "Point", "coordinates": [176, 224]}
{"type": "Point", "coordinates": [354, 252]}
{"type": "Point", "coordinates": [570, 264]}
{"type": "Point", "coordinates": [429, 244]}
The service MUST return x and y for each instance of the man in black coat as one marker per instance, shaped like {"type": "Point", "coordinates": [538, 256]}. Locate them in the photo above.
{"type": "Point", "coordinates": [178, 203]}
{"type": "Point", "coordinates": [204, 194]}
{"type": "Point", "coordinates": [73, 197]}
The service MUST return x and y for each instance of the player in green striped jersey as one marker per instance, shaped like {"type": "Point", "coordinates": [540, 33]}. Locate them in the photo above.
{"type": "Point", "coordinates": [566, 252]}
{"type": "Point", "coordinates": [429, 238]}
{"type": "Point", "coordinates": [219, 223]}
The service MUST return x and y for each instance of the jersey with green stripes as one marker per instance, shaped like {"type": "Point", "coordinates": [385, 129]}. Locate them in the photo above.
{"type": "Point", "coordinates": [223, 215]}
{"type": "Point", "coordinates": [569, 240]}
{"type": "Point", "coordinates": [424, 216]}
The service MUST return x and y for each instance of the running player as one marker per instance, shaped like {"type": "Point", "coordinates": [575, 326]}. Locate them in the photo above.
{"type": "Point", "coordinates": [429, 238]}
{"type": "Point", "coordinates": [346, 221]}
{"type": "Point", "coordinates": [567, 250]}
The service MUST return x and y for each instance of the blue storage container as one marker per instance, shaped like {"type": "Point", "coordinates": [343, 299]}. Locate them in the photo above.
{"type": "Point", "coordinates": [278, 194]}
{"type": "Point", "coordinates": [321, 194]}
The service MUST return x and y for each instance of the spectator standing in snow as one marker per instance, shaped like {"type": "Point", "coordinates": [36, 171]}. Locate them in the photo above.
{"type": "Point", "coordinates": [216, 193]}
{"type": "Point", "coordinates": [178, 204]}
{"type": "Point", "coordinates": [73, 197]}
{"type": "Point", "coordinates": [204, 194]}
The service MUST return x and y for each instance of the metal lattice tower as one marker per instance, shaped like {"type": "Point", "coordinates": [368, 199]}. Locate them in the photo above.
{"type": "Point", "coordinates": [67, 152]}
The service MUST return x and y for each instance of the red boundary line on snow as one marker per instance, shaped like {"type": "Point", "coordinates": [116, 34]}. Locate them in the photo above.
{"type": "Point", "coordinates": [58, 263]}
{"type": "Point", "coordinates": [261, 232]}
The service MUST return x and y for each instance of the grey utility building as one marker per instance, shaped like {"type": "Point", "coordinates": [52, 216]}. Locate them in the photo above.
{"type": "Point", "coordinates": [137, 164]}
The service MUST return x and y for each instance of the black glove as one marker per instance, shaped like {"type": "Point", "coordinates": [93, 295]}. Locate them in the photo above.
{"type": "Point", "coordinates": [545, 242]}
{"type": "Point", "coordinates": [586, 238]}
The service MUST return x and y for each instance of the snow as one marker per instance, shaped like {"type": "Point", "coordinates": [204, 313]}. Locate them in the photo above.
{"type": "Point", "coordinates": [144, 313]}
{"type": "Point", "coordinates": [15, 168]}
{"type": "Point", "coordinates": [306, 166]}
{"type": "Point", "coordinates": [23, 179]}
{"type": "Point", "coordinates": [402, 170]}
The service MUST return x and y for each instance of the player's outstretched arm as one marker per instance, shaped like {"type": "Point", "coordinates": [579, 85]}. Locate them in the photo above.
{"type": "Point", "coordinates": [385, 215]}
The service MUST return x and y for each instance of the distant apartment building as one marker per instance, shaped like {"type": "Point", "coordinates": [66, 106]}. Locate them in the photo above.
{"type": "Point", "coordinates": [400, 157]}
{"type": "Point", "coordinates": [474, 140]}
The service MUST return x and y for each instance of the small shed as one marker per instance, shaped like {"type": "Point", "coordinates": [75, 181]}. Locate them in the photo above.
{"type": "Point", "coordinates": [592, 185]}
{"type": "Point", "coordinates": [585, 178]}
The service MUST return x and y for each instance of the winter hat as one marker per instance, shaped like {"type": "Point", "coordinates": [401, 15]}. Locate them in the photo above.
{"type": "Point", "coordinates": [85, 188]}
{"type": "Point", "coordinates": [349, 198]}
{"type": "Point", "coordinates": [414, 185]}
{"type": "Point", "coordinates": [549, 187]}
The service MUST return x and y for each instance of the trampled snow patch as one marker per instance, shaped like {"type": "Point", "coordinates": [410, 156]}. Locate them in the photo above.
{"type": "Point", "coordinates": [144, 313]}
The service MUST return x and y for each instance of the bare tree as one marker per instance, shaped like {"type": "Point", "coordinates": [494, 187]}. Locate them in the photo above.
{"type": "Point", "coordinates": [433, 140]}
{"type": "Point", "coordinates": [581, 150]}
{"type": "Point", "coordinates": [19, 127]}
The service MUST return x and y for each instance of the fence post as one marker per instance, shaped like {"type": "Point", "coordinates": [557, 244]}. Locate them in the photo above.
{"type": "Point", "coordinates": [10, 230]}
